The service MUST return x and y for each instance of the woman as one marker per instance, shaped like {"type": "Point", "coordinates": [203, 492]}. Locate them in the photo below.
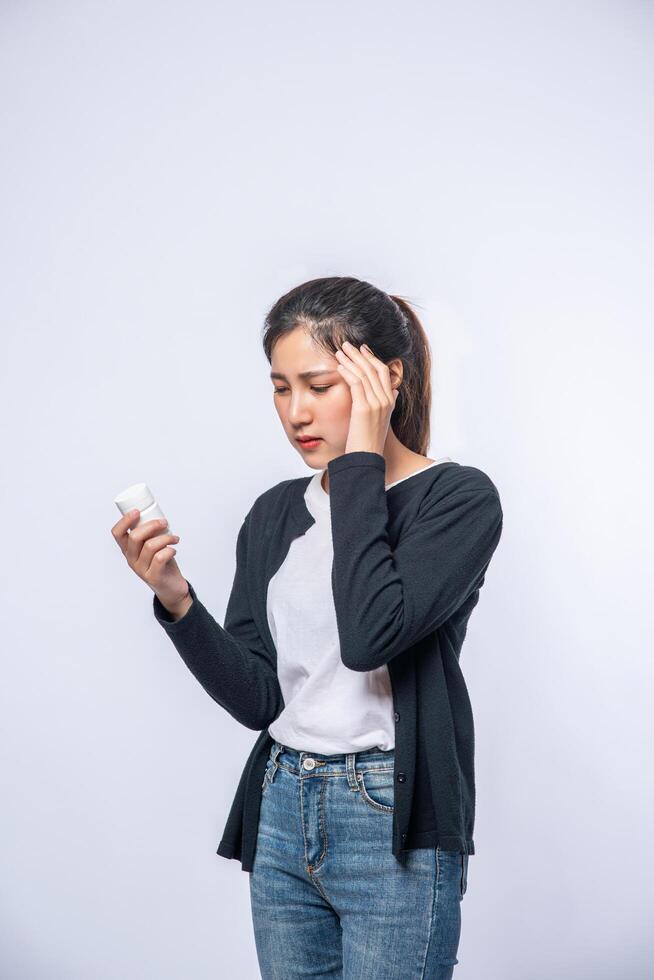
{"type": "Point", "coordinates": [352, 592]}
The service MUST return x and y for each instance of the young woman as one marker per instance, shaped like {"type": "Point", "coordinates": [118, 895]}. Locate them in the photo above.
{"type": "Point", "coordinates": [353, 588]}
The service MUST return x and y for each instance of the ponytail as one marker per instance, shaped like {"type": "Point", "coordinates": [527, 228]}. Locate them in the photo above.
{"type": "Point", "coordinates": [411, 418]}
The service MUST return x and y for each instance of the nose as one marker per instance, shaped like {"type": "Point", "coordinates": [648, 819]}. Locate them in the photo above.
{"type": "Point", "coordinates": [297, 411]}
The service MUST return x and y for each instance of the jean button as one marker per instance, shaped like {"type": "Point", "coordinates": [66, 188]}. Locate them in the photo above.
{"type": "Point", "coordinates": [309, 764]}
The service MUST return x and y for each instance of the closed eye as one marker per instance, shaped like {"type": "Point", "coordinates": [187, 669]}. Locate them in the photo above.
{"type": "Point", "coordinates": [321, 389]}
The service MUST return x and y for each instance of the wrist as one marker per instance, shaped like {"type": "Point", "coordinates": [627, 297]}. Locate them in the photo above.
{"type": "Point", "coordinates": [180, 608]}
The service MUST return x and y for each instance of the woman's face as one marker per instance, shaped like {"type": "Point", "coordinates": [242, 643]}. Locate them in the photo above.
{"type": "Point", "coordinates": [319, 404]}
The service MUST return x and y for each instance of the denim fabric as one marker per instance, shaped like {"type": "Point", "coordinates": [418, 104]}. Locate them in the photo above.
{"type": "Point", "coordinates": [328, 897]}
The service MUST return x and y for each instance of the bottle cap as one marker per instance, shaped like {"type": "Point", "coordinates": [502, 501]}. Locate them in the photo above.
{"type": "Point", "coordinates": [138, 495]}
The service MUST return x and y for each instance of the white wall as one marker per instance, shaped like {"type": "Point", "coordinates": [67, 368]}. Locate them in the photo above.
{"type": "Point", "coordinates": [169, 170]}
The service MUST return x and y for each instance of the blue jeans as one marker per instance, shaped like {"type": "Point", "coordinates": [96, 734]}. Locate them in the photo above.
{"type": "Point", "coordinates": [328, 897]}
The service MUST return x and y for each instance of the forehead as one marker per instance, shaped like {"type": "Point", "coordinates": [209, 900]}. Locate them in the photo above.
{"type": "Point", "coordinates": [297, 353]}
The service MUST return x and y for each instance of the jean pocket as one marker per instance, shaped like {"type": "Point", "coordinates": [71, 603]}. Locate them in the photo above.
{"type": "Point", "coordinates": [377, 789]}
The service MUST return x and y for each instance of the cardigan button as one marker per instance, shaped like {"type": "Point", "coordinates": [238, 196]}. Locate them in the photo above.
{"type": "Point", "coordinates": [397, 716]}
{"type": "Point", "coordinates": [401, 777]}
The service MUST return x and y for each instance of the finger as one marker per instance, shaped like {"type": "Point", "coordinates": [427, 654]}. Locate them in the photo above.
{"type": "Point", "coordinates": [383, 372]}
{"type": "Point", "coordinates": [140, 534]}
{"type": "Point", "coordinates": [364, 375]}
{"type": "Point", "coordinates": [357, 390]}
{"type": "Point", "coordinates": [160, 559]}
{"type": "Point", "coordinates": [375, 367]}
{"type": "Point", "coordinates": [369, 373]}
{"type": "Point", "coordinates": [151, 549]}
{"type": "Point", "coordinates": [121, 528]}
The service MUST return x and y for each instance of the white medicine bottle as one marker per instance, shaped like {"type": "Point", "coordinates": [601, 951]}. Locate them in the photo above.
{"type": "Point", "coordinates": [140, 496]}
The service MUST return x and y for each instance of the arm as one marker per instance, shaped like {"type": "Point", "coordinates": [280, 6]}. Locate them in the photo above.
{"type": "Point", "coordinates": [388, 600]}
{"type": "Point", "coordinates": [231, 663]}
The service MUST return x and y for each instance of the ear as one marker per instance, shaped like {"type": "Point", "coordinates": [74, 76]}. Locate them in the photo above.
{"type": "Point", "coordinates": [396, 370]}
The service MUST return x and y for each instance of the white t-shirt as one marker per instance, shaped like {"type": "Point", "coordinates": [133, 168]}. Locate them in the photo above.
{"type": "Point", "coordinates": [329, 708]}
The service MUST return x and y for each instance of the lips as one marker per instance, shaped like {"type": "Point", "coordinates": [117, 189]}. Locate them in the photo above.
{"type": "Point", "coordinates": [308, 438]}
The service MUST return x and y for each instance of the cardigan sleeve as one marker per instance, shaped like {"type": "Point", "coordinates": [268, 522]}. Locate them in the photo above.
{"type": "Point", "coordinates": [231, 663]}
{"type": "Point", "coordinates": [387, 600]}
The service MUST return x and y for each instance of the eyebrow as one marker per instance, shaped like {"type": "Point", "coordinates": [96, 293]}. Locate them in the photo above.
{"type": "Point", "coordinates": [303, 374]}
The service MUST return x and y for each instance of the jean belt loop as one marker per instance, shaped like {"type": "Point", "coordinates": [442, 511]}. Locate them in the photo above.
{"type": "Point", "coordinates": [350, 769]}
{"type": "Point", "coordinates": [277, 748]}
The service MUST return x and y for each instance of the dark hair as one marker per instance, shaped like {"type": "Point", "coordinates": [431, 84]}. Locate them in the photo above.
{"type": "Point", "coordinates": [340, 308]}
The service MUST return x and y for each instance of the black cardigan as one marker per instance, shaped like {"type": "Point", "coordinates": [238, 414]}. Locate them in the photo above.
{"type": "Point", "coordinates": [408, 566]}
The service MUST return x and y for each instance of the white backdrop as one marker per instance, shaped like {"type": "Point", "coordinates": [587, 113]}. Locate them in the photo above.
{"type": "Point", "coordinates": [167, 172]}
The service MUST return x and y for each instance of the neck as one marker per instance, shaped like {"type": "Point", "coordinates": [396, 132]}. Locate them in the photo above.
{"type": "Point", "coordinates": [398, 460]}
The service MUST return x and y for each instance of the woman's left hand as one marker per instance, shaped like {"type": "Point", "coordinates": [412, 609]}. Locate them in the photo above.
{"type": "Point", "coordinates": [373, 398]}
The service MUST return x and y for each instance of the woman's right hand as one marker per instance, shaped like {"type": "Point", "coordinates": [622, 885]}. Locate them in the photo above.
{"type": "Point", "coordinates": [148, 552]}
